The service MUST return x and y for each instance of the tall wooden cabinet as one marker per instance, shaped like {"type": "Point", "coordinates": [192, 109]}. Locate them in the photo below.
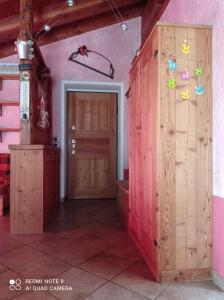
{"type": "Point", "coordinates": [170, 185]}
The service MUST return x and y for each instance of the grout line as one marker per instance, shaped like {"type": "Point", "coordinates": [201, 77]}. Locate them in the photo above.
{"type": "Point", "coordinates": [96, 289]}
{"type": "Point", "coordinates": [160, 293]}
{"type": "Point", "coordinates": [128, 289]}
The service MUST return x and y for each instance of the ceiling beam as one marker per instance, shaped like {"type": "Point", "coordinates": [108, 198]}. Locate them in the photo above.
{"type": "Point", "coordinates": [90, 24]}
{"type": "Point", "coordinates": [78, 27]}
{"type": "Point", "coordinates": [152, 13]}
{"type": "Point", "coordinates": [26, 20]}
{"type": "Point", "coordinates": [10, 26]}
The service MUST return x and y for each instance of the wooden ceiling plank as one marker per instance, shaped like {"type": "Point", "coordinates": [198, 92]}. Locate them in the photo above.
{"type": "Point", "coordinates": [77, 28]}
{"type": "Point", "coordinates": [90, 24]}
{"type": "Point", "coordinates": [81, 10]}
{"type": "Point", "coordinates": [152, 13]}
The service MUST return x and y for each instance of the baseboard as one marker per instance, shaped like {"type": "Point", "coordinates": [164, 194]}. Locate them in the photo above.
{"type": "Point", "coordinates": [218, 280]}
{"type": "Point", "coordinates": [186, 275]}
{"type": "Point", "coordinates": [146, 258]}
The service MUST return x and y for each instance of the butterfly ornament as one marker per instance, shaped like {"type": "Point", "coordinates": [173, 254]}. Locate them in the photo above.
{"type": "Point", "coordinates": [172, 65]}
{"type": "Point", "coordinates": [171, 83]}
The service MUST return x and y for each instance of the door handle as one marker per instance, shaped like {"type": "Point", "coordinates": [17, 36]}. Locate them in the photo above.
{"type": "Point", "coordinates": [74, 142]}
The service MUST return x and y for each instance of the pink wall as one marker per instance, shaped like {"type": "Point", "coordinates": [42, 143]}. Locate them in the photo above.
{"type": "Point", "coordinates": [218, 235]}
{"type": "Point", "coordinates": [10, 115]}
{"type": "Point", "coordinates": [211, 13]}
{"type": "Point", "coordinates": [119, 46]}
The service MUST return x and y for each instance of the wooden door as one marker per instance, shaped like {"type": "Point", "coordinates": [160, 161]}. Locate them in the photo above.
{"type": "Point", "coordinates": [92, 145]}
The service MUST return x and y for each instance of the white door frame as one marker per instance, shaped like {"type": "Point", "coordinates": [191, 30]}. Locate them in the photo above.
{"type": "Point", "coordinates": [90, 86]}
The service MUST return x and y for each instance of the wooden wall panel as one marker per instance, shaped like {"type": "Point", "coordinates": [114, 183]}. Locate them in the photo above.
{"type": "Point", "coordinates": [148, 148]}
{"type": "Point", "coordinates": [167, 155]}
{"type": "Point", "coordinates": [185, 155]}
{"type": "Point", "coordinates": [204, 160]}
{"type": "Point", "coordinates": [134, 166]}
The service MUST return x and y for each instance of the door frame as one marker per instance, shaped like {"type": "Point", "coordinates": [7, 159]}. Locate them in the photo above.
{"type": "Point", "coordinates": [90, 86]}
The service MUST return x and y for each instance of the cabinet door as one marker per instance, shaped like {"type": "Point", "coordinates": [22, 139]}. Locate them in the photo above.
{"type": "Point", "coordinates": [56, 179]}
{"type": "Point", "coordinates": [135, 151]}
{"type": "Point", "coordinates": [148, 63]}
{"type": "Point", "coordinates": [47, 185]}
{"type": "Point", "coordinates": [51, 183]}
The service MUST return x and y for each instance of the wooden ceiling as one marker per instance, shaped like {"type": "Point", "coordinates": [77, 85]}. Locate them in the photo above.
{"type": "Point", "coordinates": [84, 16]}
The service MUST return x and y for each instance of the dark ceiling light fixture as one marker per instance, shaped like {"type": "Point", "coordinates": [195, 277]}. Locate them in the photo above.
{"type": "Point", "coordinates": [83, 51]}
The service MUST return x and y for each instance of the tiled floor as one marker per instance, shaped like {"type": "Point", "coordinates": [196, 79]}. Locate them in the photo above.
{"type": "Point", "coordinates": [88, 251]}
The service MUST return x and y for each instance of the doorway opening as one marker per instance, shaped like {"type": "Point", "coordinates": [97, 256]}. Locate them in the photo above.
{"type": "Point", "coordinates": [90, 87]}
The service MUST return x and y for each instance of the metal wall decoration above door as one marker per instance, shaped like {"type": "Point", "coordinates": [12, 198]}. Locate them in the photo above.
{"type": "Point", "coordinates": [83, 51]}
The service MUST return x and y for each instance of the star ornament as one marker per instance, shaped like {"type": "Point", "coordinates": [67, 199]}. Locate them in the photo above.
{"type": "Point", "coordinates": [185, 94]}
{"type": "Point", "coordinates": [186, 48]}
{"type": "Point", "coordinates": [199, 89]}
{"type": "Point", "coordinates": [171, 83]}
{"type": "Point", "coordinates": [185, 75]}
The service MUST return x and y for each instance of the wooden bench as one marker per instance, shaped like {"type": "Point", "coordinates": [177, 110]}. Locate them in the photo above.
{"type": "Point", "coordinates": [4, 181]}
{"type": "Point", "coordinates": [122, 200]}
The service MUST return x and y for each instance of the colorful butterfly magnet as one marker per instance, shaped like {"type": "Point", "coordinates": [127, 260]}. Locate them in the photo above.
{"type": "Point", "coordinates": [185, 75]}
{"type": "Point", "coordinates": [172, 65]}
{"type": "Point", "coordinates": [185, 48]}
{"type": "Point", "coordinates": [185, 94]}
{"type": "Point", "coordinates": [199, 89]}
{"type": "Point", "coordinates": [199, 71]}
{"type": "Point", "coordinates": [171, 83]}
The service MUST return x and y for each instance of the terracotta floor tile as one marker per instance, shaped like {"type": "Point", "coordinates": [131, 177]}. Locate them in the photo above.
{"type": "Point", "coordinates": [36, 296]}
{"type": "Point", "coordinates": [44, 266]}
{"type": "Point", "coordinates": [206, 285]}
{"type": "Point", "coordinates": [96, 241]}
{"type": "Point", "coordinates": [75, 253]}
{"type": "Point", "coordinates": [189, 293]}
{"type": "Point", "coordinates": [105, 265]}
{"type": "Point", "coordinates": [82, 283]}
{"type": "Point", "coordinates": [19, 256]}
{"type": "Point", "coordinates": [96, 226]}
{"type": "Point", "coordinates": [5, 292]}
{"type": "Point", "coordinates": [129, 251]}
{"type": "Point", "coordinates": [75, 235]}
{"type": "Point", "coordinates": [138, 279]}
{"type": "Point", "coordinates": [28, 238]}
{"type": "Point", "coordinates": [112, 291]}
{"type": "Point", "coordinates": [49, 244]}
{"type": "Point", "coordinates": [8, 243]}
{"type": "Point", "coordinates": [78, 233]}
{"type": "Point", "coordinates": [2, 268]}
